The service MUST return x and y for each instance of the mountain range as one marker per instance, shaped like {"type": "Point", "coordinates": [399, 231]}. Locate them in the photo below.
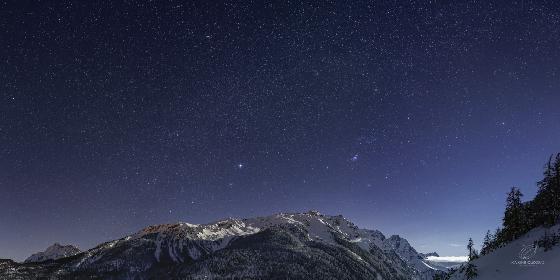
{"type": "Point", "coordinates": [282, 246]}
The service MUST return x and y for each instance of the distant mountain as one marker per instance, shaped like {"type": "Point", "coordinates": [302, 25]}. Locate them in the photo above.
{"type": "Point", "coordinates": [54, 252]}
{"type": "Point", "coordinates": [407, 253]}
{"type": "Point", "coordinates": [282, 246]}
{"type": "Point", "coordinates": [426, 255]}
{"type": "Point", "coordinates": [445, 263]}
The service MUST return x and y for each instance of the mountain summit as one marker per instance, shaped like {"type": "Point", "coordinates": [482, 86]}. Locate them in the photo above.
{"type": "Point", "coordinates": [53, 252]}
{"type": "Point", "coordinates": [286, 245]}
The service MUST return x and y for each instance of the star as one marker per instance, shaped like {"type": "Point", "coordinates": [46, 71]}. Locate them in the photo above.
{"type": "Point", "coordinates": [309, 104]}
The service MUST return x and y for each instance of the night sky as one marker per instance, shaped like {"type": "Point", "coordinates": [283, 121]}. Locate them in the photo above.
{"type": "Point", "coordinates": [412, 118]}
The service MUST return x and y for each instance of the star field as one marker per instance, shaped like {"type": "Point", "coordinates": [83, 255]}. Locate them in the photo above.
{"type": "Point", "coordinates": [413, 118]}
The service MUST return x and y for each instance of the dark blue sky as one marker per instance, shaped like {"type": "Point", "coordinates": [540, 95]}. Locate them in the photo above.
{"type": "Point", "coordinates": [413, 118]}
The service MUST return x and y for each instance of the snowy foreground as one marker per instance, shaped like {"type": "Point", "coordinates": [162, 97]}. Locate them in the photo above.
{"type": "Point", "coordinates": [520, 260]}
{"type": "Point", "coordinates": [282, 246]}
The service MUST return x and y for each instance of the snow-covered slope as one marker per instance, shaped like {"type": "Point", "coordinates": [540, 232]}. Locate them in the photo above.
{"type": "Point", "coordinates": [520, 260]}
{"type": "Point", "coordinates": [53, 252]}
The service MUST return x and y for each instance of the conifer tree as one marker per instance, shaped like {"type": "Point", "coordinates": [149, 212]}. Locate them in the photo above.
{"type": "Point", "coordinates": [470, 249]}
{"type": "Point", "coordinates": [471, 271]}
{"type": "Point", "coordinates": [547, 200]}
{"type": "Point", "coordinates": [542, 199]}
{"type": "Point", "coordinates": [486, 245]}
{"type": "Point", "coordinates": [514, 217]}
{"type": "Point", "coordinates": [498, 239]}
{"type": "Point", "coordinates": [555, 190]}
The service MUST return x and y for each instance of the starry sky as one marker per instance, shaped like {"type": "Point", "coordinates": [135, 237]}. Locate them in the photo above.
{"type": "Point", "coordinates": [414, 118]}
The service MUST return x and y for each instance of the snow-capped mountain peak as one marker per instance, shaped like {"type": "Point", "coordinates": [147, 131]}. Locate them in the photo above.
{"type": "Point", "coordinates": [401, 247]}
{"type": "Point", "coordinates": [53, 252]}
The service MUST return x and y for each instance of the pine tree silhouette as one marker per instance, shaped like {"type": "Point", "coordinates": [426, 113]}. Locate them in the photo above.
{"type": "Point", "coordinates": [514, 217]}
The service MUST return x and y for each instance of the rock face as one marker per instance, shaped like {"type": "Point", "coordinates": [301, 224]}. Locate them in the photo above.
{"type": "Point", "coordinates": [282, 246]}
{"type": "Point", "coordinates": [407, 253]}
{"type": "Point", "coordinates": [54, 252]}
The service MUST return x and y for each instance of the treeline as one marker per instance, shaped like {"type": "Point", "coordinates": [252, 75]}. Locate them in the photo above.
{"type": "Point", "coordinates": [520, 217]}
